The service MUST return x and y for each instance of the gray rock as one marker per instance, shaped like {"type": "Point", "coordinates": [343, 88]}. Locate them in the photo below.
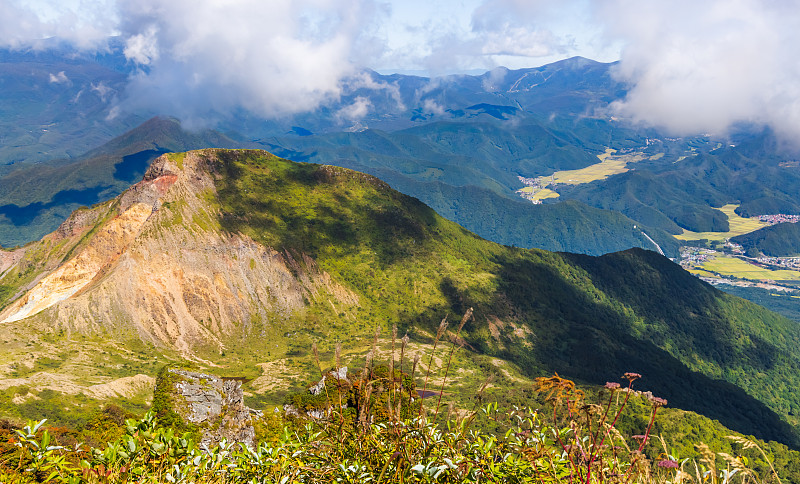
{"type": "Point", "coordinates": [215, 405]}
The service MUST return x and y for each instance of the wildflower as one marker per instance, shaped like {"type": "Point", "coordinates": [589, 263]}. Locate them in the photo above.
{"type": "Point", "coordinates": [630, 376]}
{"type": "Point", "coordinates": [611, 385]}
{"type": "Point", "coordinates": [667, 464]}
{"type": "Point", "coordinates": [659, 402]}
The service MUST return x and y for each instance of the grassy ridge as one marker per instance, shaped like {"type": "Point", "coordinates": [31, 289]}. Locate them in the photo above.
{"type": "Point", "coordinates": [467, 172]}
{"type": "Point", "coordinates": [635, 310]}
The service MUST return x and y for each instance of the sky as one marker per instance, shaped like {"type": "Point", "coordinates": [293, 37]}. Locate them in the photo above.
{"type": "Point", "coordinates": [692, 66]}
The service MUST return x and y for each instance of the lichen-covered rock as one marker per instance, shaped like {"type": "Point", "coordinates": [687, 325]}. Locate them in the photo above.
{"type": "Point", "coordinates": [213, 404]}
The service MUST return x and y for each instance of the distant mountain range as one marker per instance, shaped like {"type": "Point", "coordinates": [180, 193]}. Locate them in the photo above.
{"type": "Point", "coordinates": [458, 143]}
{"type": "Point", "coordinates": [450, 156]}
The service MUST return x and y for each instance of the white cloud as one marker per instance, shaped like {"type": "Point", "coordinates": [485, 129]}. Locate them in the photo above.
{"type": "Point", "coordinates": [102, 90]}
{"type": "Point", "coordinates": [60, 78]}
{"type": "Point", "coordinates": [364, 80]}
{"type": "Point", "coordinates": [86, 24]}
{"type": "Point", "coordinates": [432, 107]}
{"type": "Point", "coordinates": [205, 59]}
{"type": "Point", "coordinates": [142, 48]}
{"type": "Point", "coordinates": [494, 79]}
{"type": "Point", "coordinates": [355, 111]}
{"type": "Point", "coordinates": [691, 66]}
{"type": "Point", "coordinates": [698, 67]}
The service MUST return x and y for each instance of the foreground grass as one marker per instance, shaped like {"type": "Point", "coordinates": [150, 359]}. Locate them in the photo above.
{"type": "Point", "coordinates": [576, 440]}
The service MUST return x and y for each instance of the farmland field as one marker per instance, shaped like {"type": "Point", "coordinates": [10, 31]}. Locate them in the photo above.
{"type": "Point", "coordinates": [545, 193]}
{"type": "Point", "coordinates": [738, 226]}
{"type": "Point", "coordinates": [731, 266]}
{"type": "Point", "coordinates": [700, 272]}
{"type": "Point", "coordinates": [610, 164]}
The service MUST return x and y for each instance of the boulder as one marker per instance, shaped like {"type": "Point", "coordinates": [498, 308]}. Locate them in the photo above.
{"type": "Point", "coordinates": [213, 404]}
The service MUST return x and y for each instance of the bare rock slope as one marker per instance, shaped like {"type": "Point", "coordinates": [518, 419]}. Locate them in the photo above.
{"type": "Point", "coordinates": [153, 264]}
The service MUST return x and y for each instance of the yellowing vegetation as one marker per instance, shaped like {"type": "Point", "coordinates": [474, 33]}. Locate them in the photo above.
{"type": "Point", "coordinates": [731, 266]}
{"type": "Point", "coordinates": [545, 193]}
{"type": "Point", "coordinates": [738, 226]}
{"type": "Point", "coordinates": [610, 164]}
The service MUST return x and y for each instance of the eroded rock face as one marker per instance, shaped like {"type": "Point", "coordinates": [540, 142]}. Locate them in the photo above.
{"type": "Point", "coordinates": [214, 404]}
{"type": "Point", "coordinates": [155, 265]}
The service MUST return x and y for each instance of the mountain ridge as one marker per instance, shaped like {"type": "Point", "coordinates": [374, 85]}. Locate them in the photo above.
{"type": "Point", "coordinates": [248, 259]}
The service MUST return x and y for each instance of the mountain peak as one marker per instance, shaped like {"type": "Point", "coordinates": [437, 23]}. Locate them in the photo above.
{"type": "Point", "coordinates": [159, 243]}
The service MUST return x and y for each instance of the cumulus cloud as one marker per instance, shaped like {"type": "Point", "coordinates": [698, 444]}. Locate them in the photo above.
{"type": "Point", "coordinates": [364, 80]}
{"type": "Point", "coordinates": [86, 24]}
{"type": "Point", "coordinates": [59, 78]}
{"type": "Point", "coordinates": [432, 107]}
{"type": "Point", "coordinates": [142, 48]}
{"type": "Point", "coordinates": [520, 32]}
{"type": "Point", "coordinates": [697, 67]}
{"type": "Point", "coordinates": [355, 111]}
{"type": "Point", "coordinates": [202, 60]}
{"type": "Point", "coordinates": [691, 66]}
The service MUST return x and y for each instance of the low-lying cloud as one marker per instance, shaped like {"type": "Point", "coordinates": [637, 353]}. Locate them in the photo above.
{"type": "Point", "coordinates": [691, 67]}
{"type": "Point", "coordinates": [202, 60]}
{"type": "Point", "coordinates": [697, 67]}
{"type": "Point", "coordinates": [85, 24]}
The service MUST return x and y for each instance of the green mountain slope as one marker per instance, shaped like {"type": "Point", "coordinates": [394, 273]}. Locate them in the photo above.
{"type": "Point", "coordinates": [634, 309]}
{"type": "Point", "coordinates": [569, 226]}
{"type": "Point", "coordinates": [657, 201]}
{"type": "Point", "coordinates": [468, 172]}
{"type": "Point", "coordinates": [679, 190]}
{"type": "Point", "coordinates": [780, 240]}
{"type": "Point", "coordinates": [248, 259]}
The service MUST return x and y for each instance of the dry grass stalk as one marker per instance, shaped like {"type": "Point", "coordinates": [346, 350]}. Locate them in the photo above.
{"type": "Point", "coordinates": [391, 376]}
{"type": "Point", "coordinates": [464, 319]}
{"type": "Point", "coordinates": [439, 332]}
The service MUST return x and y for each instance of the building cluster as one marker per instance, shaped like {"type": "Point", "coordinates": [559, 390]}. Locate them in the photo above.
{"type": "Point", "coordinates": [734, 247]}
{"type": "Point", "coordinates": [696, 256]}
{"type": "Point", "coordinates": [785, 262]}
{"type": "Point", "coordinates": [779, 218]}
{"type": "Point", "coordinates": [535, 184]}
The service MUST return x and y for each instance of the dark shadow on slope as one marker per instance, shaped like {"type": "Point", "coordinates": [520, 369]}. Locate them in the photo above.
{"type": "Point", "coordinates": [499, 112]}
{"type": "Point", "coordinates": [590, 340]}
{"type": "Point", "coordinates": [682, 308]}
